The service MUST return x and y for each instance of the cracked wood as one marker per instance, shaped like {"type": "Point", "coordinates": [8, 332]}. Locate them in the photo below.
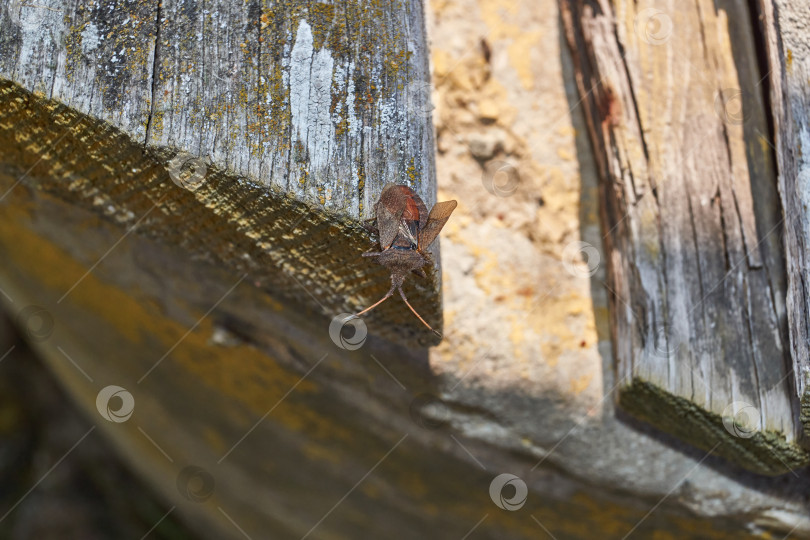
{"type": "Point", "coordinates": [677, 116]}
{"type": "Point", "coordinates": [788, 51]}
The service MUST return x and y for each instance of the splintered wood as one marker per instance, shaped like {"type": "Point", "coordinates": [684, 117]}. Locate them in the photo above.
{"type": "Point", "coordinates": [674, 100]}
{"type": "Point", "coordinates": [788, 50]}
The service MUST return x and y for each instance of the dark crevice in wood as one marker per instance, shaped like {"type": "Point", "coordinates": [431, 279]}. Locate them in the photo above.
{"type": "Point", "coordinates": [756, 15]}
{"type": "Point", "coordinates": [765, 69]}
{"type": "Point", "coordinates": [306, 157]}
{"type": "Point", "coordinates": [749, 317]}
{"type": "Point", "coordinates": [155, 70]}
{"type": "Point", "coordinates": [290, 139]}
{"type": "Point", "coordinates": [633, 99]}
{"type": "Point", "coordinates": [627, 170]}
{"type": "Point", "coordinates": [259, 75]}
{"type": "Point", "coordinates": [718, 199]}
{"type": "Point", "coordinates": [750, 259]}
{"type": "Point", "coordinates": [693, 226]}
{"type": "Point", "coordinates": [361, 172]}
{"type": "Point", "coordinates": [665, 291]}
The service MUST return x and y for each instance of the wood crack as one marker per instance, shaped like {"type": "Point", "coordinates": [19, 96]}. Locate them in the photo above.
{"type": "Point", "coordinates": [631, 92]}
{"type": "Point", "coordinates": [155, 69]}
{"type": "Point", "coordinates": [669, 258]}
{"type": "Point", "coordinates": [694, 229]}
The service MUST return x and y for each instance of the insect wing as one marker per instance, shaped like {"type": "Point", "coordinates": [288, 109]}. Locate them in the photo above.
{"type": "Point", "coordinates": [389, 211]}
{"type": "Point", "coordinates": [414, 218]}
{"type": "Point", "coordinates": [408, 233]}
{"type": "Point", "coordinates": [439, 215]}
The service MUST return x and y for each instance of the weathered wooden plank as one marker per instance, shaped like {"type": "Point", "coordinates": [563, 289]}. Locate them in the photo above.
{"type": "Point", "coordinates": [93, 57]}
{"type": "Point", "coordinates": [677, 116]}
{"type": "Point", "coordinates": [254, 136]}
{"type": "Point", "coordinates": [785, 25]}
{"type": "Point", "coordinates": [317, 100]}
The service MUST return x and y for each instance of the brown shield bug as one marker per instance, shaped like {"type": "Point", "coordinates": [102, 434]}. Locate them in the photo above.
{"type": "Point", "coordinates": [405, 230]}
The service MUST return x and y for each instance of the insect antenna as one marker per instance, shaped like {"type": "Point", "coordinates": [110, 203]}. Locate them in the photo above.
{"type": "Point", "coordinates": [402, 294]}
{"type": "Point", "coordinates": [388, 295]}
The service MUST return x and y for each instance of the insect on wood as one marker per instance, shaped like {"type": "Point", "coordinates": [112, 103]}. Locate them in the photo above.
{"type": "Point", "coordinates": [405, 231]}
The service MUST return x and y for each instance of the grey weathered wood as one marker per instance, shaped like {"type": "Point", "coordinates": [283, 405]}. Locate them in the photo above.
{"type": "Point", "coordinates": [320, 100]}
{"type": "Point", "coordinates": [690, 209]}
{"type": "Point", "coordinates": [254, 137]}
{"type": "Point", "coordinates": [788, 50]}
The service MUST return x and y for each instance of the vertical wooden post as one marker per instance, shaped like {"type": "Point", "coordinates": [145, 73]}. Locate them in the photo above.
{"type": "Point", "coordinates": [678, 117]}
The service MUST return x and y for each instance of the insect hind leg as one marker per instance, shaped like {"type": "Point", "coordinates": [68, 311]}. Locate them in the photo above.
{"type": "Point", "coordinates": [402, 294]}
{"type": "Point", "coordinates": [368, 224]}
{"type": "Point", "coordinates": [388, 295]}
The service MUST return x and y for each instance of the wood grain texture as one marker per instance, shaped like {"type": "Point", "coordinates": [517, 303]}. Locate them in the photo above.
{"type": "Point", "coordinates": [326, 101]}
{"type": "Point", "coordinates": [254, 136]}
{"type": "Point", "coordinates": [785, 25]}
{"type": "Point", "coordinates": [677, 116]}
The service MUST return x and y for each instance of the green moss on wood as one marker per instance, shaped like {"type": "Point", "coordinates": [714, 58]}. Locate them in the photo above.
{"type": "Point", "coordinates": [764, 452]}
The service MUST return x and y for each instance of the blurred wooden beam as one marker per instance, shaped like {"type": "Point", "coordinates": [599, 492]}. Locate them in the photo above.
{"type": "Point", "coordinates": [678, 119]}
